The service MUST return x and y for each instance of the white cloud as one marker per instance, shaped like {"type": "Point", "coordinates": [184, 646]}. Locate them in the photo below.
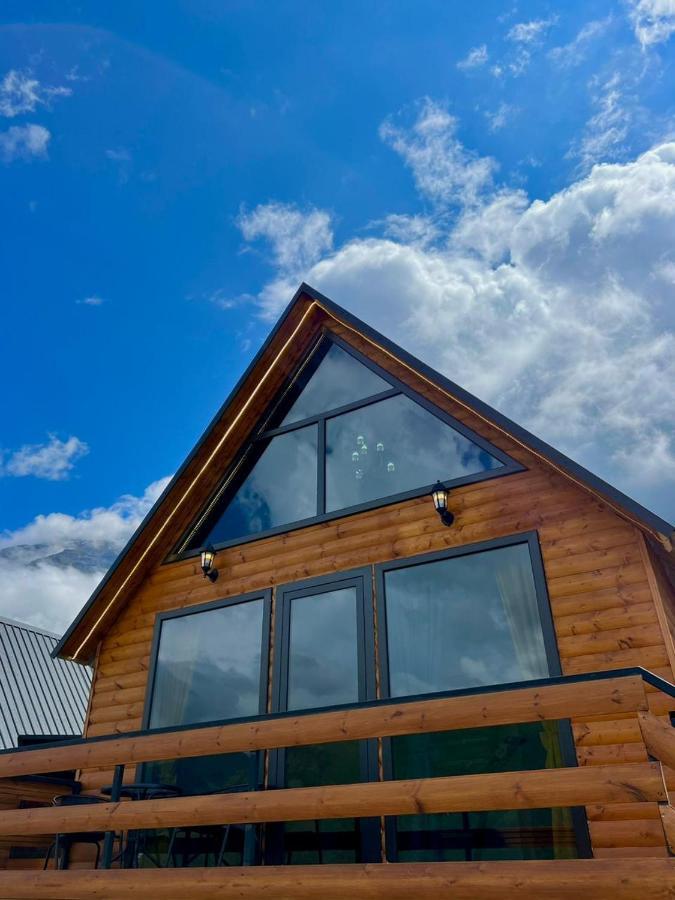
{"type": "Point", "coordinates": [573, 53]}
{"type": "Point", "coordinates": [94, 300]}
{"type": "Point", "coordinates": [526, 38]}
{"type": "Point", "coordinates": [529, 32]}
{"type": "Point", "coordinates": [49, 567]}
{"type": "Point", "coordinates": [104, 524]}
{"type": "Point", "coordinates": [557, 311]}
{"type": "Point", "coordinates": [443, 169]}
{"type": "Point", "coordinates": [474, 59]}
{"type": "Point", "coordinates": [21, 93]}
{"type": "Point", "coordinates": [121, 154]}
{"type": "Point", "coordinates": [24, 142]}
{"type": "Point", "coordinates": [501, 117]}
{"type": "Point", "coordinates": [298, 239]}
{"type": "Point", "coordinates": [409, 229]}
{"type": "Point", "coordinates": [43, 595]}
{"type": "Point", "coordinates": [52, 461]}
{"type": "Point", "coordinates": [653, 20]}
{"type": "Point", "coordinates": [606, 132]}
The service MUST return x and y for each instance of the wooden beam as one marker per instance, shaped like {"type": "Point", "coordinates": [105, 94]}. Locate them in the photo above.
{"type": "Point", "coordinates": [556, 701]}
{"type": "Point", "coordinates": [668, 820]}
{"type": "Point", "coordinates": [460, 793]}
{"type": "Point", "coordinates": [592, 879]}
{"type": "Point", "coordinates": [659, 738]}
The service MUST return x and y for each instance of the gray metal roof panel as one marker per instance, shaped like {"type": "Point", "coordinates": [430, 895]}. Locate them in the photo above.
{"type": "Point", "coordinates": [39, 695]}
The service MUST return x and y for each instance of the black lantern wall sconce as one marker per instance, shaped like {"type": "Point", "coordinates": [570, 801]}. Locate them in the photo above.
{"type": "Point", "coordinates": [439, 494]}
{"type": "Point", "coordinates": [208, 571]}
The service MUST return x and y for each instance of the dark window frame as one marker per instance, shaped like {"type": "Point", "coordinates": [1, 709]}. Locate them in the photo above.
{"type": "Point", "coordinates": [541, 592]}
{"type": "Point", "coordinates": [230, 484]}
{"type": "Point", "coordinates": [361, 580]}
{"type": "Point", "coordinates": [264, 595]}
{"type": "Point", "coordinates": [567, 745]}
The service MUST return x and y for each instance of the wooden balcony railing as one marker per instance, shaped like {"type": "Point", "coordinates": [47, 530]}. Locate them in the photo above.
{"type": "Point", "coordinates": [616, 694]}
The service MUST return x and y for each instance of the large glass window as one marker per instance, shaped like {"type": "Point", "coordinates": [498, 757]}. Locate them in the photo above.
{"type": "Point", "coordinates": [341, 437]}
{"type": "Point", "coordinates": [323, 649]}
{"type": "Point", "coordinates": [489, 835]}
{"type": "Point", "coordinates": [466, 620]}
{"type": "Point", "coordinates": [208, 665]}
{"type": "Point", "coordinates": [280, 487]}
{"type": "Point", "coordinates": [322, 643]}
{"type": "Point", "coordinates": [463, 621]}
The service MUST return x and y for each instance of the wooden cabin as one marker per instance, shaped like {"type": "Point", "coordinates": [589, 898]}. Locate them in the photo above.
{"type": "Point", "coordinates": [315, 679]}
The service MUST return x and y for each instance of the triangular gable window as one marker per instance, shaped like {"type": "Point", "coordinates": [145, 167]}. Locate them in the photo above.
{"type": "Point", "coordinates": [343, 437]}
{"type": "Point", "coordinates": [337, 380]}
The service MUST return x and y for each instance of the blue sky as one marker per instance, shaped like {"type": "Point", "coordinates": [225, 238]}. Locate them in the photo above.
{"type": "Point", "coordinates": [170, 172]}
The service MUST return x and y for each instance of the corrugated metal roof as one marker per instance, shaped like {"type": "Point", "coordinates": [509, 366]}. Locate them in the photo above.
{"type": "Point", "coordinates": [39, 695]}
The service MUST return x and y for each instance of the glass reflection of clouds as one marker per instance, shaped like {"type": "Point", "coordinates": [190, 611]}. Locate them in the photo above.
{"type": "Point", "coordinates": [322, 665]}
{"type": "Point", "coordinates": [374, 451]}
{"type": "Point", "coordinates": [463, 622]}
{"type": "Point", "coordinates": [338, 380]}
{"type": "Point", "coordinates": [208, 666]}
{"type": "Point", "coordinates": [405, 447]}
{"type": "Point", "coordinates": [280, 488]}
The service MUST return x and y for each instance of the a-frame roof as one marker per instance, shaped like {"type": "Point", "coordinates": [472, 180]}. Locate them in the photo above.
{"type": "Point", "coordinates": [297, 330]}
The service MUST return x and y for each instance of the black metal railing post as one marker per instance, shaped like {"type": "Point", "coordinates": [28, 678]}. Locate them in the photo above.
{"type": "Point", "coordinates": [110, 835]}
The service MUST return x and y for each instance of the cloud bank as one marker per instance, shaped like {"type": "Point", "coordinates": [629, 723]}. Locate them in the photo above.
{"type": "Point", "coordinates": [49, 568]}
{"type": "Point", "coordinates": [558, 311]}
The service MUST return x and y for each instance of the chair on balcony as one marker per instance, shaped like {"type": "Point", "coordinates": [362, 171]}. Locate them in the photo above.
{"type": "Point", "coordinates": [63, 843]}
{"type": "Point", "coordinates": [189, 843]}
{"type": "Point", "coordinates": [137, 846]}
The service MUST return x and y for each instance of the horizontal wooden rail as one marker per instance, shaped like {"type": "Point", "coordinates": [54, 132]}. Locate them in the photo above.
{"type": "Point", "coordinates": [659, 738]}
{"type": "Point", "coordinates": [591, 879]}
{"type": "Point", "coordinates": [560, 699]}
{"type": "Point", "coordinates": [460, 793]}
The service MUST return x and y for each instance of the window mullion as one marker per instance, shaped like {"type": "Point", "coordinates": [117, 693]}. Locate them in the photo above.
{"type": "Point", "coordinates": [321, 468]}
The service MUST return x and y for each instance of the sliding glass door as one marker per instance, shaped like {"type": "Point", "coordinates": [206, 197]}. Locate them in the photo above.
{"type": "Point", "coordinates": [324, 658]}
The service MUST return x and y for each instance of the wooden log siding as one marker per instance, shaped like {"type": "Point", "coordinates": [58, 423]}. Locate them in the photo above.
{"type": "Point", "coordinates": [601, 598]}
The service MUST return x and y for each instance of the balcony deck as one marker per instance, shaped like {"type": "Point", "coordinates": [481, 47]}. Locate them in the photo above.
{"type": "Point", "coordinates": [610, 696]}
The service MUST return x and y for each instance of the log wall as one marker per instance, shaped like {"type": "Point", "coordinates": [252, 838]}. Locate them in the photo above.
{"type": "Point", "coordinates": [602, 598]}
